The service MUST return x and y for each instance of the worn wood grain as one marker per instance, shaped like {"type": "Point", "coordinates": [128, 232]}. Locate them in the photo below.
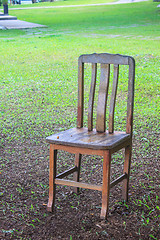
{"type": "Point", "coordinates": [91, 97]}
{"type": "Point", "coordinates": [52, 176]}
{"type": "Point", "coordinates": [80, 94]}
{"type": "Point", "coordinates": [81, 150]}
{"type": "Point", "coordinates": [97, 141]}
{"type": "Point", "coordinates": [126, 170]}
{"type": "Point", "coordinates": [106, 58]}
{"type": "Point", "coordinates": [118, 180]}
{"type": "Point", "coordinates": [106, 184]}
{"type": "Point", "coordinates": [113, 99]}
{"type": "Point", "coordinates": [102, 98]}
{"type": "Point", "coordinates": [76, 174]}
{"type": "Point", "coordinates": [89, 139]}
{"type": "Point", "coordinates": [130, 102]}
{"type": "Point", "coordinates": [78, 184]}
{"type": "Point", "coordinates": [67, 172]}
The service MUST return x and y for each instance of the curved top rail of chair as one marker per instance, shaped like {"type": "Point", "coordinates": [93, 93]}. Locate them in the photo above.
{"type": "Point", "coordinates": [106, 58]}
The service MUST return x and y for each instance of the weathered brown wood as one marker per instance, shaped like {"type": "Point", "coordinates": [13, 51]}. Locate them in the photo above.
{"type": "Point", "coordinates": [104, 58]}
{"type": "Point", "coordinates": [52, 176]}
{"type": "Point", "coordinates": [113, 99]}
{"type": "Point", "coordinates": [106, 184]}
{"type": "Point", "coordinates": [76, 174]}
{"type": "Point", "coordinates": [80, 94]}
{"type": "Point", "coordinates": [67, 172]}
{"type": "Point", "coordinates": [102, 98]}
{"type": "Point", "coordinates": [127, 164]}
{"type": "Point", "coordinates": [78, 184]}
{"type": "Point", "coordinates": [83, 138]}
{"type": "Point", "coordinates": [96, 141]}
{"type": "Point", "coordinates": [130, 101]}
{"type": "Point", "coordinates": [91, 97]}
{"type": "Point", "coordinates": [121, 145]}
{"type": "Point", "coordinates": [118, 180]}
{"type": "Point", "coordinates": [75, 150]}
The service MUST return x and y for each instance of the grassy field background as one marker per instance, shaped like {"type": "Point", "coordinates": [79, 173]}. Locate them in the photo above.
{"type": "Point", "coordinates": [38, 83]}
{"type": "Point", "coordinates": [61, 3]}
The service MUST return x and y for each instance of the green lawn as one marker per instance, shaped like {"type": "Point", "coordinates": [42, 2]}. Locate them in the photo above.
{"type": "Point", "coordinates": [62, 3]}
{"type": "Point", "coordinates": [31, 56]}
{"type": "Point", "coordinates": [38, 65]}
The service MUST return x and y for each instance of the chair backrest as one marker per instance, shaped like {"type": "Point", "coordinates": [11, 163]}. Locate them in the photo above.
{"type": "Point", "coordinates": [105, 60]}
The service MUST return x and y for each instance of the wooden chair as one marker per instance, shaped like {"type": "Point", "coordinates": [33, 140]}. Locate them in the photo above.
{"type": "Point", "coordinates": [97, 141]}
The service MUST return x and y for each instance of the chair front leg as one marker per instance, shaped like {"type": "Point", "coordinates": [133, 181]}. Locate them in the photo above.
{"type": "Point", "coordinates": [105, 184]}
{"type": "Point", "coordinates": [76, 174]}
{"type": "Point", "coordinates": [52, 176]}
{"type": "Point", "coordinates": [127, 163]}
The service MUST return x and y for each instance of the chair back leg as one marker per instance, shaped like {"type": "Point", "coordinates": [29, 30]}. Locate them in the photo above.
{"type": "Point", "coordinates": [76, 174]}
{"type": "Point", "coordinates": [52, 176]}
{"type": "Point", "coordinates": [127, 163]}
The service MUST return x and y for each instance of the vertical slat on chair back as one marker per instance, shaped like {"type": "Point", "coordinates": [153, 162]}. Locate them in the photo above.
{"type": "Point", "coordinates": [80, 94]}
{"type": "Point", "coordinates": [91, 97]}
{"type": "Point", "coordinates": [102, 98]}
{"type": "Point", "coordinates": [113, 98]}
{"type": "Point", "coordinates": [105, 60]}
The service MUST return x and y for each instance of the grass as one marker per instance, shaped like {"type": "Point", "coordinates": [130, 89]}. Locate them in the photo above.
{"type": "Point", "coordinates": [100, 19]}
{"type": "Point", "coordinates": [38, 65]}
{"type": "Point", "coordinates": [62, 3]}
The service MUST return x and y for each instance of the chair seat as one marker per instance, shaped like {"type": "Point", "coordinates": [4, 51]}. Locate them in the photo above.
{"type": "Point", "coordinates": [81, 137]}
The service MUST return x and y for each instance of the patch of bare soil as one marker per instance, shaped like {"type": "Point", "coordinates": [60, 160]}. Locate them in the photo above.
{"type": "Point", "coordinates": [24, 195]}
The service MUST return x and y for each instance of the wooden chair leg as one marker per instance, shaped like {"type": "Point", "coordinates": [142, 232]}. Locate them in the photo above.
{"type": "Point", "coordinates": [76, 174]}
{"type": "Point", "coordinates": [127, 163]}
{"type": "Point", "coordinates": [52, 176]}
{"type": "Point", "coordinates": [106, 184]}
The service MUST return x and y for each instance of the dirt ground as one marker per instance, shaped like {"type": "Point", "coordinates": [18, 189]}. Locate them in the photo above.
{"type": "Point", "coordinates": [24, 195]}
